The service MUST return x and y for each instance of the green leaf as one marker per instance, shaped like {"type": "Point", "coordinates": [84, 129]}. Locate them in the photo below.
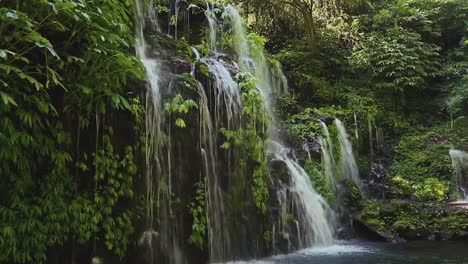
{"type": "Point", "coordinates": [116, 99]}
{"type": "Point", "coordinates": [125, 103]}
{"type": "Point", "coordinates": [180, 123]}
{"type": "Point", "coordinates": [7, 99]}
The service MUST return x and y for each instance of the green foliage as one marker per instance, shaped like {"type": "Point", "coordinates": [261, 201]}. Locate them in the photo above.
{"type": "Point", "coordinates": [64, 65]}
{"type": "Point", "coordinates": [412, 220]}
{"type": "Point", "coordinates": [423, 167]}
{"type": "Point", "coordinates": [198, 211]}
{"type": "Point", "coordinates": [179, 106]}
{"type": "Point", "coordinates": [250, 140]}
{"type": "Point", "coordinates": [399, 59]}
{"type": "Point", "coordinates": [251, 97]}
{"type": "Point", "coordinates": [319, 181]}
{"type": "Point", "coordinates": [431, 189]}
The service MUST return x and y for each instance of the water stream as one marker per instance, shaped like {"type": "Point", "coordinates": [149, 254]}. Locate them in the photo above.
{"type": "Point", "coordinates": [460, 171]}
{"type": "Point", "coordinates": [314, 215]}
{"type": "Point", "coordinates": [349, 168]}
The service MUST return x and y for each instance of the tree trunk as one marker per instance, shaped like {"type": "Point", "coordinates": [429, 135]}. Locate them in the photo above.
{"type": "Point", "coordinates": [310, 27]}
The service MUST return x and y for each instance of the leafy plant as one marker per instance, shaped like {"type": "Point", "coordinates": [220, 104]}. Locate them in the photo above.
{"type": "Point", "coordinates": [198, 211]}
{"type": "Point", "coordinates": [179, 106]}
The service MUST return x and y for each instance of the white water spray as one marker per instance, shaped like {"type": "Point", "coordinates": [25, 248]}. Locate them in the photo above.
{"type": "Point", "coordinates": [349, 168]}
{"type": "Point", "coordinates": [158, 172]}
{"type": "Point", "coordinates": [313, 213]}
{"type": "Point", "coordinates": [460, 171]}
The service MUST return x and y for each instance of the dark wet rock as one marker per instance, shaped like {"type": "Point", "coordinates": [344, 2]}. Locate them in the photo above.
{"type": "Point", "coordinates": [462, 235]}
{"type": "Point", "coordinates": [366, 231]}
{"type": "Point", "coordinates": [179, 66]}
{"type": "Point", "coordinates": [329, 120]}
{"type": "Point", "coordinates": [279, 170]}
{"type": "Point", "coordinates": [283, 244]}
{"type": "Point", "coordinates": [314, 147]}
{"type": "Point", "coordinates": [377, 172]}
{"type": "Point", "coordinates": [345, 232]}
{"type": "Point", "coordinates": [377, 185]}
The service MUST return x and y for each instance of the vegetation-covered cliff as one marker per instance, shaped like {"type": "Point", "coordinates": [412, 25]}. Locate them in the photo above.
{"type": "Point", "coordinates": [185, 131]}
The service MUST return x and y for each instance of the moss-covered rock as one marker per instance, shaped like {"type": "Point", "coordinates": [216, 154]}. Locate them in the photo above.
{"type": "Point", "coordinates": [413, 220]}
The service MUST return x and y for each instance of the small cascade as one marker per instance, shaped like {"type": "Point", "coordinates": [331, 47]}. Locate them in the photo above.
{"type": "Point", "coordinates": [460, 171]}
{"type": "Point", "coordinates": [212, 26]}
{"type": "Point", "coordinates": [379, 138]}
{"type": "Point", "coordinates": [226, 112]}
{"type": "Point", "coordinates": [371, 137]}
{"type": "Point", "coordinates": [197, 58]}
{"type": "Point", "coordinates": [241, 43]}
{"type": "Point", "coordinates": [313, 213]}
{"type": "Point", "coordinates": [227, 93]}
{"type": "Point", "coordinates": [158, 174]}
{"type": "Point", "coordinates": [328, 159]}
{"type": "Point", "coordinates": [153, 118]}
{"type": "Point", "coordinates": [306, 148]}
{"type": "Point", "coordinates": [349, 168]}
{"type": "Point", "coordinates": [356, 126]}
{"type": "Point", "coordinates": [218, 238]}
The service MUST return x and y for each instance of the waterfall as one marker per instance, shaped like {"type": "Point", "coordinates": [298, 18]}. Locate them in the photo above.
{"type": "Point", "coordinates": [158, 172]}
{"type": "Point", "coordinates": [349, 168]}
{"type": "Point", "coordinates": [197, 58]}
{"type": "Point", "coordinates": [227, 114]}
{"type": "Point", "coordinates": [227, 94]}
{"type": "Point", "coordinates": [460, 171]}
{"type": "Point", "coordinates": [220, 106]}
{"type": "Point", "coordinates": [153, 108]}
{"type": "Point", "coordinates": [328, 159]}
{"type": "Point", "coordinates": [212, 26]}
{"type": "Point", "coordinates": [313, 212]}
{"type": "Point", "coordinates": [356, 126]}
{"type": "Point", "coordinates": [218, 236]}
{"type": "Point", "coordinates": [371, 136]}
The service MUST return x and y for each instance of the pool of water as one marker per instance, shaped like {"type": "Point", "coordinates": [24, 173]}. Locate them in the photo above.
{"type": "Point", "coordinates": [357, 252]}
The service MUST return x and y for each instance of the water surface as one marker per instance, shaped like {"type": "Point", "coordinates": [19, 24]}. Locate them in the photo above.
{"type": "Point", "coordinates": [357, 252]}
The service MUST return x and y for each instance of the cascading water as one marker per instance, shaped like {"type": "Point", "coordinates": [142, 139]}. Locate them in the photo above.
{"type": "Point", "coordinates": [227, 93]}
{"type": "Point", "coordinates": [220, 106]}
{"type": "Point", "coordinates": [312, 211]}
{"type": "Point", "coordinates": [328, 159]}
{"type": "Point", "coordinates": [227, 113]}
{"type": "Point", "coordinates": [349, 168]}
{"type": "Point", "coordinates": [212, 26]}
{"type": "Point", "coordinates": [371, 136]}
{"type": "Point", "coordinates": [460, 171]}
{"type": "Point", "coordinates": [356, 126]}
{"type": "Point", "coordinates": [158, 170]}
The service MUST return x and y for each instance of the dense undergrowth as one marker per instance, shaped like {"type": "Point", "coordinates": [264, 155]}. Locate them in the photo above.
{"type": "Point", "coordinates": [67, 77]}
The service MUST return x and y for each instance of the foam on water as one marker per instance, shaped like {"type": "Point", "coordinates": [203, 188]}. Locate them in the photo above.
{"type": "Point", "coordinates": [336, 250]}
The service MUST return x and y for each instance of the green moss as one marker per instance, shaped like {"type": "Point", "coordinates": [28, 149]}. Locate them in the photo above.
{"type": "Point", "coordinates": [376, 224]}
{"type": "Point", "coordinates": [202, 70]}
{"type": "Point", "coordinates": [319, 181]}
{"type": "Point", "coordinates": [414, 220]}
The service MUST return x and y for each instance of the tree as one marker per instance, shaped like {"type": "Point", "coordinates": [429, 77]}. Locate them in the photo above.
{"type": "Point", "coordinates": [311, 11]}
